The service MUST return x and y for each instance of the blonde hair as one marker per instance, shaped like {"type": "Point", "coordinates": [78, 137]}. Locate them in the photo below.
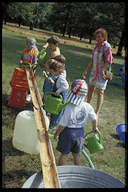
{"type": "Point", "coordinates": [33, 51]}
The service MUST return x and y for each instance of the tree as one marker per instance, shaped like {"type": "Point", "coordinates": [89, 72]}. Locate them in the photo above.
{"type": "Point", "coordinates": [30, 14]}
{"type": "Point", "coordinates": [17, 12]}
{"type": "Point", "coordinates": [79, 19]}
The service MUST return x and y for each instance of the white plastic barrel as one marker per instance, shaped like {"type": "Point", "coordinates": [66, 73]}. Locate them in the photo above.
{"type": "Point", "coordinates": [25, 136]}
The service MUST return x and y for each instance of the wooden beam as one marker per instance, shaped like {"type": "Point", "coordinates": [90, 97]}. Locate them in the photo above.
{"type": "Point", "coordinates": [49, 170]}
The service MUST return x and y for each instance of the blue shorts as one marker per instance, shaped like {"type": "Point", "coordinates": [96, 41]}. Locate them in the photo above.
{"type": "Point", "coordinates": [71, 139]}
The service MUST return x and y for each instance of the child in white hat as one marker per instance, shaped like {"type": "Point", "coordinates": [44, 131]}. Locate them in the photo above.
{"type": "Point", "coordinates": [76, 115]}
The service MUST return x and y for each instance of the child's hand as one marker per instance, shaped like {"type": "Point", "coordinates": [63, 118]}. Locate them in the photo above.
{"type": "Point", "coordinates": [45, 74]}
{"type": "Point", "coordinates": [56, 94]}
{"type": "Point", "coordinates": [51, 80]}
{"type": "Point", "coordinates": [55, 136]}
{"type": "Point", "coordinates": [84, 75]}
{"type": "Point", "coordinates": [45, 46]}
{"type": "Point", "coordinates": [94, 130]}
{"type": "Point", "coordinates": [20, 61]}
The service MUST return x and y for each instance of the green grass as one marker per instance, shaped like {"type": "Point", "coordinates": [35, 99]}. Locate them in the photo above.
{"type": "Point", "coordinates": [18, 166]}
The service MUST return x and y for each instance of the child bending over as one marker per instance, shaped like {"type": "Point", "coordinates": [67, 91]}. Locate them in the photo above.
{"type": "Point", "coordinates": [47, 85]}
{"type": "Point", "coordinates": [60, 85]}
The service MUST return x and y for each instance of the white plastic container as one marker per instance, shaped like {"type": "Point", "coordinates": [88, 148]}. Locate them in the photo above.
{"type": "Point", "coordinates": [25, 136]}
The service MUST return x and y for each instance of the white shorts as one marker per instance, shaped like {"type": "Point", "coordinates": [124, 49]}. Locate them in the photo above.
{"type": "Point", "coordinates": [100, 83]}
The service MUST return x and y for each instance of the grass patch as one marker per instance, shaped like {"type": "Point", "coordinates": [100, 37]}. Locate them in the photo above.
{"type": "Point", "coordinates": [18, 166]}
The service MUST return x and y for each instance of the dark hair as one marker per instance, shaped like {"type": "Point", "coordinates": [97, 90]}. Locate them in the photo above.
{"type": "Point", "coordinates": [53, 40]}
{"type": "Point", "coordinates": [53, 64]}
{"type": "Point", "coordinates": [60, 58]}
{"type": "Point", "coordinates": [103, 32]}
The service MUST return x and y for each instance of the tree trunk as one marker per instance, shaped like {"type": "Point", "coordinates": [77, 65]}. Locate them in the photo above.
{"type": "Point", "coordinates": [90, 39]}
{"type": "Point", "coordinates": [20, 21]}
{"type": "Point", "coordinates": [66, 19]}
{"type": "Point", "coordinates": [119, 52]}
{"type": "Point", "coordinates": [31, 26]}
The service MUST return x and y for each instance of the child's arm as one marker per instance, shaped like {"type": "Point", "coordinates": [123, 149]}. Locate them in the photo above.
{"type": "Point", "coordinates": [55, 53]}
{"type": "Point", "coordinates": [62, 84]}
{"type": "Point", "coordinates": [58, 131]}
{"type": "Point", "coordinates": [21, 60]}
{"type": "Point", "coordinates": [51, 80]}
{"type": "Point", "coordinates": [45, 45]}
{"type": "Point", "coordinates": [94, 126]}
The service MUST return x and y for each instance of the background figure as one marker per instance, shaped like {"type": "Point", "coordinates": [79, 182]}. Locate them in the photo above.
{"type": "Point", "coordinates": [122, 74]}
{"type": "Point", "coordinates": [101, 59]}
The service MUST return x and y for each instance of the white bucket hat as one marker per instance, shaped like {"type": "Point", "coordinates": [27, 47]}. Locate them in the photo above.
{"type": "Point", "coordinates": [78, 92]}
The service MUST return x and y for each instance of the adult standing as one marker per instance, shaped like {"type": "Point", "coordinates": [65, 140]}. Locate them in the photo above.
{"type": "Point", "coordinates": [101, 59]}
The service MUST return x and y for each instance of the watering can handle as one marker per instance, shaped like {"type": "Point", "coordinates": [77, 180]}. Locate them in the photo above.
{"type": "Point", "coordinates": [92, 132]}
{"type": "Point", "coordinates": [53, 94]}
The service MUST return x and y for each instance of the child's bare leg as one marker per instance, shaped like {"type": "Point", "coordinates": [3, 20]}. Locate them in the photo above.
{"type": "Point", "coordinates": [76, 157]}
{"type": "Point", "coordinates": [62, 159]}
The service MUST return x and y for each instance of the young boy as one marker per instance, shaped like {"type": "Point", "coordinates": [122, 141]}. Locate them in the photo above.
{"type": "Point", "coordinates": [48, 85]}
{"type": "Point", "coordinates": [75, 116]}
{"type": "Point", "coordinates": [53, 43]}
{"type": "Point", "coordinates": [60, 85]}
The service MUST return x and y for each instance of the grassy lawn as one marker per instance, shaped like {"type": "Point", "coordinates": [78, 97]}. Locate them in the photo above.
{"type": "Point", "coordinates": [18, 166]}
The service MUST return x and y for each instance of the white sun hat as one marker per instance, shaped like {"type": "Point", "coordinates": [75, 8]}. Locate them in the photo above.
{"type": "Point", "coordinates": [78, 92]}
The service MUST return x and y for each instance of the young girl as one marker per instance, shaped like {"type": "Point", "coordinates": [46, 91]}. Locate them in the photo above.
{"type": "Point", "coordinates": [60, 85]}
{"type": "Point", "coordinates": [29, 54]}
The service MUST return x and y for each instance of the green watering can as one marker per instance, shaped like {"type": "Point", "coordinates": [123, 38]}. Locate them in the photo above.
{"type": "Point", "coordinates": [42, 57]}
{"type": "Point", "coordinates": [93, 143]}
{"type": "Point", "coordinates": [53, 104]}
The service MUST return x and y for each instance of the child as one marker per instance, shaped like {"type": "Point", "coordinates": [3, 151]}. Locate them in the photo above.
{"type": "Point", "coordinates": [122, 74]}
{"type": "Point", "coordinates": [47, 85]}
{"type": "Point", "coordinates": [30, 54]}
{"type": "Point", "coordinates": [60, 85]}
{"type": "Point", "coordinates": [75, 116]}
{"type": "Point", "coordinates": [53, 43]}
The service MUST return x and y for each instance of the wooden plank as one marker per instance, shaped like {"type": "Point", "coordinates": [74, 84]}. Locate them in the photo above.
{"type": "Point", "coordinates": [49, 170]}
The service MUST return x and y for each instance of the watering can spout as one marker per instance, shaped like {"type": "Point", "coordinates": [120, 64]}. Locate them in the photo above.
{"type": "Point", "coordinates": [62, 106]}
